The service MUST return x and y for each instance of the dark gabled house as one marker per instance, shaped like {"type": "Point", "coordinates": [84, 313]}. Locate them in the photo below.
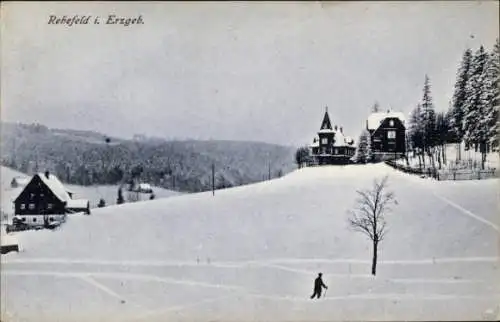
{"type": "Point", "coordinates": [46, 195]}
{"type": "Point", "coordinates": [331, 146]}
{"type": "Point", "coordinates": [387, 131]}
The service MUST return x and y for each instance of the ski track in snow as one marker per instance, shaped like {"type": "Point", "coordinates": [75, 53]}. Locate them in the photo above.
{"type": "Point", "coordinates": [119, 276]}
{"type": "Point", "coordinates": [86, 276]}
{"type": "Point", "coordinates": [239, 264]}
{"type": "Point", "coordinates": [465, 211]}
{"type": "Point", "coordinates": [369, 296]}
{"type": "Point", "coordinates": [241, 291]}
{"type": "Point", "coordinates": [105, 289]}
{"type": "Point", "coordinates": [361, 296]}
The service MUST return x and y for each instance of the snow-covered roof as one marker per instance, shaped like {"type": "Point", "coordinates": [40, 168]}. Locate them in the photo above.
{"type": "Point", "coordinates": [315, 144]}
{"type": "Point", "coordinates": [326, 131]}
{"type": "Point", "coordinates": [339, 139]}
{"type": "Point", "coordinates": [77, 203]}
{"type": "Point", "coordinates": [145, 186]}
{"type": "Point", "coordinates": [61, 193]}
{"type": "Point", "coordinates": [375, 119]}
{"type": "Point", "coordinates": [8, 239]}
{"type": "Point", "coordinates": [22, 180]}
{"type": "Point", "coordinates": [55, 186]}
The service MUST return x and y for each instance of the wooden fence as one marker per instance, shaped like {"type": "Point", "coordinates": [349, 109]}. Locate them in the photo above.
{"type": "Point", "coordinates": [447, 174]}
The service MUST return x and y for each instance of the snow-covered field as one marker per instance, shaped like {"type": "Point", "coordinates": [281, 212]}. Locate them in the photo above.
{"type": "Point", "coordinates": [252, 252]}
{"type": "Point", "coordinates": [92, 193]}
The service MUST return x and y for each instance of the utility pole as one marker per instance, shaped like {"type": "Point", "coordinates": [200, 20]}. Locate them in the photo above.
{"type": "Point", "coordinates": [269, 170]}
{"type": "Point", "coordinates": [213, 179]}
{"type": "Point", "coordinates": [14, 164]}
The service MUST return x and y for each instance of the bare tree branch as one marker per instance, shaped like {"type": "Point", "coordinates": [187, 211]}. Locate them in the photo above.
{"type": "Point", "coordinates": [368, 214]}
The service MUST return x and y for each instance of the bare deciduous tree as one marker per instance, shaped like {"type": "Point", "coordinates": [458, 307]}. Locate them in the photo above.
{"type": "Point", "coordinates": [368, 216]}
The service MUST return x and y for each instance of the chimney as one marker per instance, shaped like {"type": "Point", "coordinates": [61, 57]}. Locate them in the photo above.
{"type": "Point", "coordinates": [336, 127]}
{"type": "Point", "coordinates": [341, 130]}
{"type": "Point", "coordinates": [47, 173]}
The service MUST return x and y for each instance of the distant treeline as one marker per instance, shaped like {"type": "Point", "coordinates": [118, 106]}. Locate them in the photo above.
{"type": "Point", "coordinates": [87, 158]}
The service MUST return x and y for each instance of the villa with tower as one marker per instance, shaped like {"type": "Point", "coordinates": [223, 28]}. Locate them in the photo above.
{"type": "Point", "coordinates": [331, 146]}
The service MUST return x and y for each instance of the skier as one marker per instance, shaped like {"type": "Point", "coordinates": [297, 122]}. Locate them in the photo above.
{"type": "Point", "coordinates": [318, 286]}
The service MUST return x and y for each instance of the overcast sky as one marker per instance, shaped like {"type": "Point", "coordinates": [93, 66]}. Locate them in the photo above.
{"type": "Point", "coordinates": [243, 71]}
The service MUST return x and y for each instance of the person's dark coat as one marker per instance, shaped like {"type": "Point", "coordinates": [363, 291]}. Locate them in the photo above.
{"type": "Point", "coordinates": [318, 286]}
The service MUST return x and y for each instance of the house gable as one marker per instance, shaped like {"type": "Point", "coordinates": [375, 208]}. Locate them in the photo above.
{"type": "Point", "coordinates": [375, 120]}
{"type": "Point", "coordinates": [389, 123]}
{"type": "Point", "coordinates": [36, 197]}
{"type": "Point", "coordinates": [326, 124]}
{"type": "Point", "coordinates": [389, 137]}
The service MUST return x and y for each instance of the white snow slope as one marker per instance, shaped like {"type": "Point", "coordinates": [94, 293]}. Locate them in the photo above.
{"type": "Point", "coordinates": [251, 253]}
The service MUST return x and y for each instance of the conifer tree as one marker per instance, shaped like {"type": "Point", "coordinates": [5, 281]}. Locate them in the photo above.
{"type": "Point", "coordinates": [416, 133]}
{"type": "Point", "coordinates": [428, 119]}
{"type": "Point", "coordinates": [490, 97]}
{"type": "Point", "coordinates": [474, 130]}
{"type": "Point", "coordinates": [442, 130]}
{"type": "Point", "coordinates": [459, 95]}
{"type": "Point", "coordinates": [364, 151]}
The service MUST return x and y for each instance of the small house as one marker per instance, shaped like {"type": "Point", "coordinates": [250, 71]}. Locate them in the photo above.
{"type": "Point", "coordinates": [140, 187]}
{"type": "Point", "coordinates": [145, 188]}
{"type": "Point", "coordinates": [387, 133]}
{"type": "Point", "coordinates": [45, 196]}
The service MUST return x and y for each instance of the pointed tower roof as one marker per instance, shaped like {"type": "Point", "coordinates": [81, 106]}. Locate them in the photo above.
{"type": "Point", "coordinates": [326, 124]}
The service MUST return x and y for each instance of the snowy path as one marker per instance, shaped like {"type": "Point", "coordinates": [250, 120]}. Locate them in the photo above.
{"type": "Point", "coordinates": [251, 253]}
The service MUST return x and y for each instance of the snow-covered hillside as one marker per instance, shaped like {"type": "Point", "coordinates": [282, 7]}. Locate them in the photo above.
{"type": "Point", "coordinates": [92, 193]}
{"type": "Point", "coordinates": [252, 253]}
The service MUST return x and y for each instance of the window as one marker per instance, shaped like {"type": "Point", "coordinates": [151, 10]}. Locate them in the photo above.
{"type": "Point", "coordinates": [391, 134]}
{"type": "Point", "coordinates": [32, 206]}
{"type": "Point", "coordinates": [32, 195]}
{"type": "Point", "coordinates": [49, 206]}
{"type": "Point", "coordinates": [34, 219]}
{"type": "Point", "coordinates": [42, 195]}
{"type": "Point", "coordinates": [391, 123]}
{"type": "Point", "coordinates": [324, 141]}
{"type": "Point", "coordinates": [51, 219]}
{"type": "Point", "coordinates": [23, 206]}
{"type": "Point", "coordinates": [336, 151]}
{"type": "Point", "coordinates": [23, 219]}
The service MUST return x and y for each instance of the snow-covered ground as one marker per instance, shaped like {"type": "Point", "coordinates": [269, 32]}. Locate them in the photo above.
{"type": "Point", "coordinates": [92, 193]}
{"type": "Point", "coordinates": [252, 252]}
{"type": "Point", "coordinates": [468, 159]}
